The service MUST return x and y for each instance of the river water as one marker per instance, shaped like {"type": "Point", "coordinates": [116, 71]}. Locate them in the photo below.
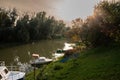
{"type": "Point", "coordinates": [24, 52]}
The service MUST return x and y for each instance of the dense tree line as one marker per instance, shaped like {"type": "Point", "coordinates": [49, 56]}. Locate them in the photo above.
{"type": "Point", "coordinates": [101, 28]}
{"type": "Point", "coordinates": [25, 28]}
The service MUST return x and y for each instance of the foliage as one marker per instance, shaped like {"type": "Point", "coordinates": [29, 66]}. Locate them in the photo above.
{"type": "Point", "coordinates": [14, 28]}
{"type": "Point", "coordinates": [109, 14]}
{"type": "Point", "coordinates": [30, 76]}
{"type": "Point", "coordinates": [101, 28]}
{"type": "Point", "coordinates": [74, 34]}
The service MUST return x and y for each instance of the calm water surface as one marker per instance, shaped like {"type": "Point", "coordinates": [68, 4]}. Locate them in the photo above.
{"type": "Point", "coordinates": [24, 52]}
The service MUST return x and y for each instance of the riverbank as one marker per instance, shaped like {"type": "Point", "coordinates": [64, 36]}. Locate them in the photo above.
{"type": "Point", "coordinates": [101, 63]}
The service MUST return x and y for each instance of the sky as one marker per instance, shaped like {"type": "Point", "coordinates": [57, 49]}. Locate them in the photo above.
{"type": "Point", "coordinates": [61, 9]}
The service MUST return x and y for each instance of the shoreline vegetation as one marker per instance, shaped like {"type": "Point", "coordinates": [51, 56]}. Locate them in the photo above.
{"type": "Point", "coordinates": [98, 36]}
{"type": "Point", "coordinates": [26, 28]}
{"type": "Point", "coordinates": [100, 33]}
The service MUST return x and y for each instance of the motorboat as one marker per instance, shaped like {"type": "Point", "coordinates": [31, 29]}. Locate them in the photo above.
{"type": "Point", "coordinates": [61, 52]}
{"type": "Point", "coordinates": [68, 46]}
{"type": "Point", "coordinates": [40, 61]}
{"type": "Point", "coordinates": [5, 74]}
{"type": "Point", "coordinates": [57, 54]}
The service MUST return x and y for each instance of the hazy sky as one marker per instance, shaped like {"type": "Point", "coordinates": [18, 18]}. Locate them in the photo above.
{"type": "Point", "coordinates": [62, 9]}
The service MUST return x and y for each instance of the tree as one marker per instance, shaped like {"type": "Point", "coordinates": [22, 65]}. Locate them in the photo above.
{"type": "Point", "coordinates": [27, 28]}
{"type": "Point", "coordinates": [22, 32]}
{"type": "Point", "coordinates": [110, 20]}
{"type": "Point", "coordinates": [74, 34]}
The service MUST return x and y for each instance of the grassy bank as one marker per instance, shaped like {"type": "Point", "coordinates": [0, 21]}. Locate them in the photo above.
{"type": "Point", "coordinates": [101, 63]}
{"type": "Point", "coordinates": [31, 75]}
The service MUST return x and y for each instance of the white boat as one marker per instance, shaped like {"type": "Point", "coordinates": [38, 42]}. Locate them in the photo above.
{"type": "Point", "coordinates": [5, 74]}
{"type": "Point", "coordinates": [68, 46]}
{"type": "Point", "coordinates": [40, 61]}
{"type": "Point", "coordinates": [59, 53]}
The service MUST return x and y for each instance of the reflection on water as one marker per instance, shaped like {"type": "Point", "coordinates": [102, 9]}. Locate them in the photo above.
{"type": "Point", "coordinates": [23, 53]}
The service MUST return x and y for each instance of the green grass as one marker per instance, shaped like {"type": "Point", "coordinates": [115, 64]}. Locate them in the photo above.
{"type": "Point", "coordinates": [30, 76]}
{"type": "Point", "coordinates": [101, 63]}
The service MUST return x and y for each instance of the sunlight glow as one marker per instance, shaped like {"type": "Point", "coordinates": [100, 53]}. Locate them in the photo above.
{"type": "Point", "coordinates": [71, 9]}
{"type": "Point", "coordinates": [61, 9]}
